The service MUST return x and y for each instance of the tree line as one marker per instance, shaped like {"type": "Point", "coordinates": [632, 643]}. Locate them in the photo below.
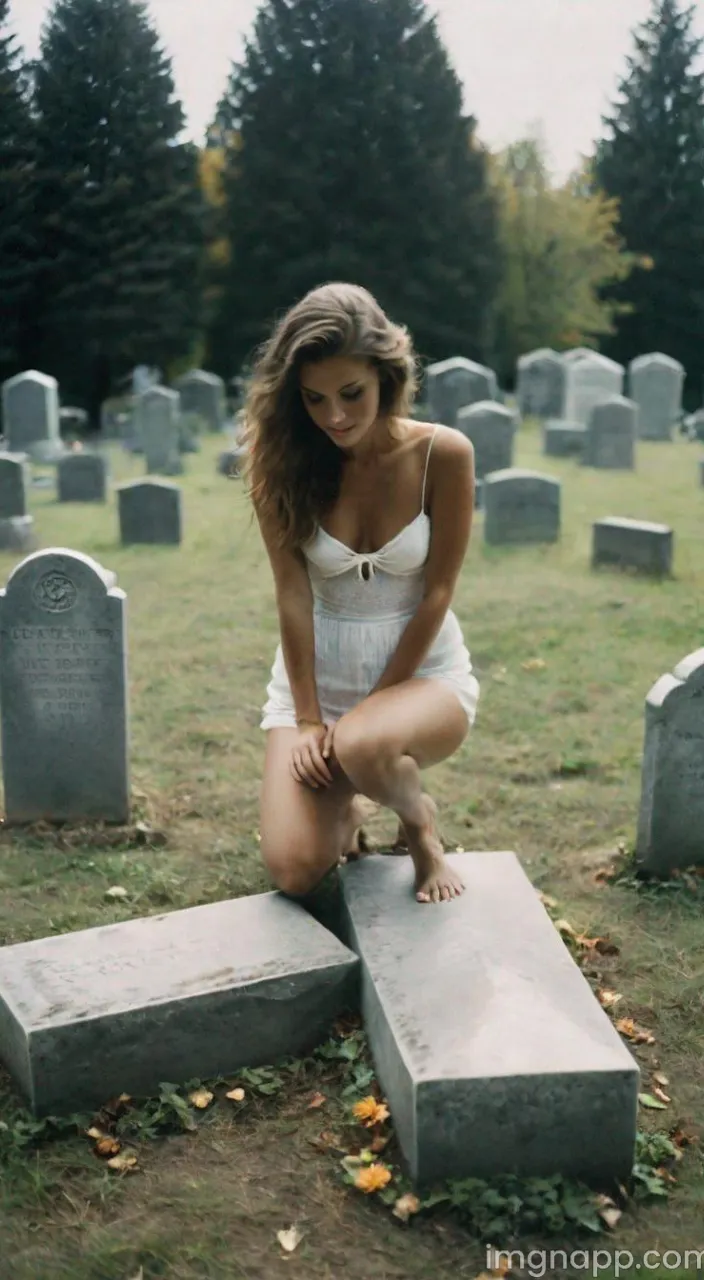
{"type": "Point", "coordinates": [339, 150]}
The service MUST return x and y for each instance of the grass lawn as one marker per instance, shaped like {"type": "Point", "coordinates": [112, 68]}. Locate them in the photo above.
{"type": "Point", "coordinates": [565, 657]}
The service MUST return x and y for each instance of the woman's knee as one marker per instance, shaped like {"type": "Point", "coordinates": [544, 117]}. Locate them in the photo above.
{"type": "Point", "coordinates": [358, 750]}
{"type": "Point", "coordinates": [293, 871]}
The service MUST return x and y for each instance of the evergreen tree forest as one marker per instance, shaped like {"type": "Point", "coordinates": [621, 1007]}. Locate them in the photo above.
{"type": "Point", "coordinates": [340, 148]}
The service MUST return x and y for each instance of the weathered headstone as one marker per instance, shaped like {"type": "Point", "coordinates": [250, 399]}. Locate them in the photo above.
{"type": "Point", "coordinates": [63, 691]}
{"type": "Point", "coordinates": [491, 428]}
{"type": "Point", "coordinates": [452, 384]}
{"type": "Point", "coordinates": [149, 511]}
{"type": "Point", "coordinates": [16, 525]}
{"type": "Point", "coordinates": [157, 422]}
{"type": "Point", "coordinates": [30, 404]}
{"type": "Point", "coordinates": [632, 544]}
{"type": "Point", "coordinates": [480, 1094]}
{"type": "Point", "coordinates": [655, 385]}
{"type": "Point", "coordinates": [541, 384]}
{"type": "Point", "coordinates": [610, 437]}
{"type": "Point", "coordinates": [671, 817]}
{"type": "Point", "coordinates": [82, 477]}
{"type": "Point", "coordinates": [590, 381]}
{"type": "Point", "coordinates": [521, 507]}
{"type": "Point", "coordinates": [203, 394]}
{"type": "Point", "coordinates": [563, 439]}
{"type": "Point", "coordinates": [230, 462]}
{"type": "Point", "coordinates": [577, 353]}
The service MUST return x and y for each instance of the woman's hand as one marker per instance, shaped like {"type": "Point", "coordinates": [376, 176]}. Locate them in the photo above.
{"type": "Point", "coordinates": [310, 753]}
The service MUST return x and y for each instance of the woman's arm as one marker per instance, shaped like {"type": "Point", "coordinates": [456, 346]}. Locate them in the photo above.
{"type": "Point", "coordinates": [451, 512]}
{"type": "Point", "coordinates": [294, 603]}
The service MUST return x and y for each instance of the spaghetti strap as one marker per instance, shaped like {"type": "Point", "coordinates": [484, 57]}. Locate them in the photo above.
{"type": "Point", "coordinates": [425, 475]}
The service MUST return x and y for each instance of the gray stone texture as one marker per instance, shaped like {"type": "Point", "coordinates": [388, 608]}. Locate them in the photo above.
{"type": "Point", "coordinates": [157, 424]}
{"type": "Point", "coordinates": [452, 384]}
{"type": "Point", "coordinates": [229, 462]}
{"type": "Point", "coordinates": [655, 383]}
{"type": "Point", "coordinates": [633, 544]}
{"type": "Point", "coordinates": [563, 439]}
{"type": "Point", "coordinates": [82, 477]}
{"type": "Point", "coordinates": [63, 691]}
{"type": "Point", "coordinates": [203, 394]}
{"type": "Point", "coordinates": [195, 993]}
{"type": "Point", "coordinates": [150, 511]}
{"type": "Point", "coordinates": [491, 428]}
{"type": "Point", "coordinates": [591, 379]}
{"type": "Point", "coordinates": [521, 507]}
{"type": "Point", "coordinates": [17, 533]}
{"type": "Point", "coordinates": [671, 816]}
{"type": "Point", "coordinates": [30, 404]}
{"type": "Point", "coordinates": [610, 439]}
{"type": "Point", "coordinates": [526, 1073]}
{"type": "Point", "coordinates": [14, 483]}
{"type": "Point", "coordinates": [541, 384]}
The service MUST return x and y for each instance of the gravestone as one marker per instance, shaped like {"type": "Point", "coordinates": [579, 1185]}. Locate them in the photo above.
{"type": "Point", "coordinates": [671, 816]}
{"type": "Point", "coordinates": [541, 384]}
{"type": "Point", "coordinates": [149, 511]}
{"type": "Point", "coordinates": [491, 428]}
{"type": "Point", "coordinates": [452, 384]}
{"type": "Point", "coordinates": [590, 381]}
{"type": "Point", "coordinates": [521, 507]}
{"type": "Point", "coordinates": [610, 438]}
{"type": "Point", "coordinates": [230, 461]}
{"type": "Point", "coordinates": [63, 691]}
{"type": "Point", "coordinates": [203, 394]}
{"type": "Point", "coordinates": [655, 384]}
{"type": "Point", "coordinates": [632, 544]}
{"type": "Point", "coordinates": [577, 353]}
{"type": "Point", "coordinates": [30, 405]}
{"type": "Point", "coordinates": [82, 477]}
{"type": "Point", "coordinates": [563, 439]}
{"type": "Point", "coordinates": [157, 423]}
{"type": "Point", "coordinates": [528, 1076]}
{"type": "Point", "coordinates": [16, 525]}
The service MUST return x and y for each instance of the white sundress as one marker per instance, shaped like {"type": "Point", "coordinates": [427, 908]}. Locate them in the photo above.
{"type": "Point", "coordinates": [362, 603]}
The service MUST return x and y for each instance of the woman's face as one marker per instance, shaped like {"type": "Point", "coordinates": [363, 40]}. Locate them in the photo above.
{"type": "Point", "coordinates": [341, 395]}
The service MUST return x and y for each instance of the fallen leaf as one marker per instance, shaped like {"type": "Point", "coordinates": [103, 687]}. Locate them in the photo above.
{"type": "Point", "coordinates": [405, 1206]}
{"type": "Point", "coordinates": [534, 664]}
{"type": "Point", "coordinates": [637, 1035]}
{"type": "Point", "coordinates": [565, 928]}
{"type": "Point", "coordinates": [126, 1160]}
{"type": "Point", "coordinates": [201, 1098]}
{"type": "Point", "coordinates": [378, 1143]}
{"type": "Point", "coordinates": [681, 1137]}
{"type": "Point", "coordinates": [290, 1239]}
{"type": "Point", "coordinates": [610, 1215]}
{"type": "Point", "coordinates": [107, 1146]}
{"type": "Point", "coordinates": [604, 946]}
{"type": "Point", "coordinates": [608, 998]}
{"type": "Point", "coordinates": [116, 892]}
{"type": "Point", "coordinates": [500, 674]}
{"type": "Point", "coordinates": [659, 1078]}
{"type": "Point", "coordinates": [326, 1141]}
{"type": "Point", "coordinates": [603, 874]}
{"type": "Point", "coordinates": [546, 900]}
{"type": "Point", "coordinates": [666, 1175]}
{"type": "Point", "coordinates": [372, 1178]}
{"type": "Point", "coordinates": [317, 1100]}
{"type": "Point", "coordinates": [660, 1093]}
{"type": "Point", "coordinates": [647, 1100]}
{"type": "Point", "coordinates": [235, 1095]}
{"type": "Point", "coordinates": [96, 1133]}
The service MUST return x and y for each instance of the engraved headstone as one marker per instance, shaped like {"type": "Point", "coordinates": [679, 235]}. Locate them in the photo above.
{"type": "Point", "coordinates": [82, 477]}
{"type": "Point", "coordinates": [63, 691]}
{"type": "Point", "coordinates": [670, 831]}
{"type": "Point", "coordinates": [610, 437]}
{"type": "Point", "coordinates": [30, 406]}
{"type": "Point", "coordinates": [203, 394]}
{"type": "Point", "coordinates": [16, 525]}
{"type": "Point", "coordinates": [452, 384]}
{"type": "Point", "coordinates": [655, 384]}
{"type": "Point", "coordinates": [632, 544]}
{"type": "Point", "coordinates": [149, 511]}
{"type": "Point", "coordinates": [521, 507]}
{"type": "Point", "coordinates": [491, 427]}
{"type": "Point", "coordinates": [563, 439]}
{"type": "Point", "coordinates": [541, 384]}
{"type": "Point", "coordinates": [157, 423]}
{"type": "Point", "coordinates": [590, 380]}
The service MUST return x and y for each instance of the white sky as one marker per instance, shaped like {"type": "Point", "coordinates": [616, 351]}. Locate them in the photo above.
{"type": "Point", "coordinates": [522, 62]}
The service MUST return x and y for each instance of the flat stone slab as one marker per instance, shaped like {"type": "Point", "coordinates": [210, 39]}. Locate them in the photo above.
{"type": "Point", "coordinates": [633, 544]}
{"type": "Point", "coordinates": [489, 1044]}
{"type": "Point", "coordinates": [196, 993]}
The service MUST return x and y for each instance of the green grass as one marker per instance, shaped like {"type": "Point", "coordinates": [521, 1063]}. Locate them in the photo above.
{"type": "Point", "coordinates": [552, 771]}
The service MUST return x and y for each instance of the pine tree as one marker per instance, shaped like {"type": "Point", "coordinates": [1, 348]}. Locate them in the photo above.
{"type": "Point", "coordinates": [652, 160]}
{"type": "Point", "coordinates": [120, 206]}
{"type": "Point", "coordinates": [16, 198]}
{"type": "Point", "coordinates": [348, 157]}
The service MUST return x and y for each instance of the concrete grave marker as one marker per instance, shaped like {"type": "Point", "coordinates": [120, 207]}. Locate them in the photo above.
{"type": "Point", "coordinates": [563, 439]}
{"type": "Point", "coordinates": [157, 424]}
{"type": "Point", "coordinates": [203, 394]}
{"type": "Point", "coordinates": [491, 428]}
{"type": "Point", "coordinates": [452, 384]}
{"type": "Point", "coordinates": [82, 477]}
{"type": "Point", "coordinates": [63, 691]}
{"type": "Point", "coordinates": [30, 404]}
{"type": "Point", "coordinates": [671, 817]}
{"type": "Point", "coordinates": [521, 507]}
{"type": "Point", "coordinates": [529, 1075]}
{"type": "Point", "coordinates": [150, 511]}
{"type": "Point", "coordinates": [655, 385]}
{"type": "Point", "coordinates": [632, 544]}
{"type": "Point", "coordinates": [590, 380]}
{"type": "Point", "coordinates": [541, 384]}
{"type": "Point", "coordinates": [610, 437]}
{"type": "Point", "coordinates": [16, 525]}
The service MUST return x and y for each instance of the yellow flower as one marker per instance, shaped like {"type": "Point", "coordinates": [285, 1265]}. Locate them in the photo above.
{"type": "Point", "coordinates": [373, 1178]}
{"type": "Point", "coordinates": [370, 1112]}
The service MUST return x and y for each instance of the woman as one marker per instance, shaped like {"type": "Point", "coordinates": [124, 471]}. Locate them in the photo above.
{"type": "Point", "coordinates": [366, 533]}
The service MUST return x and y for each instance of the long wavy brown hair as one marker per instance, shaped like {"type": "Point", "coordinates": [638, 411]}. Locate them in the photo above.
{"type": "Point", "coordinates": [292, 470]}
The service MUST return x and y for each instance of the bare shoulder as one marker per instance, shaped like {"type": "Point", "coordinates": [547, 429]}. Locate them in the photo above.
{"type": "Point", "coordinates": [449, 443]}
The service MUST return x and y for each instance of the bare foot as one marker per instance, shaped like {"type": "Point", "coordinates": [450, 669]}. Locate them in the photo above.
{"type": "Point", "coordinates": [435, 879]}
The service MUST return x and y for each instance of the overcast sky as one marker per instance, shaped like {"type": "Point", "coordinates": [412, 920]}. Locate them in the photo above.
{"type": "Point", "coordinates": [556, 62]}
